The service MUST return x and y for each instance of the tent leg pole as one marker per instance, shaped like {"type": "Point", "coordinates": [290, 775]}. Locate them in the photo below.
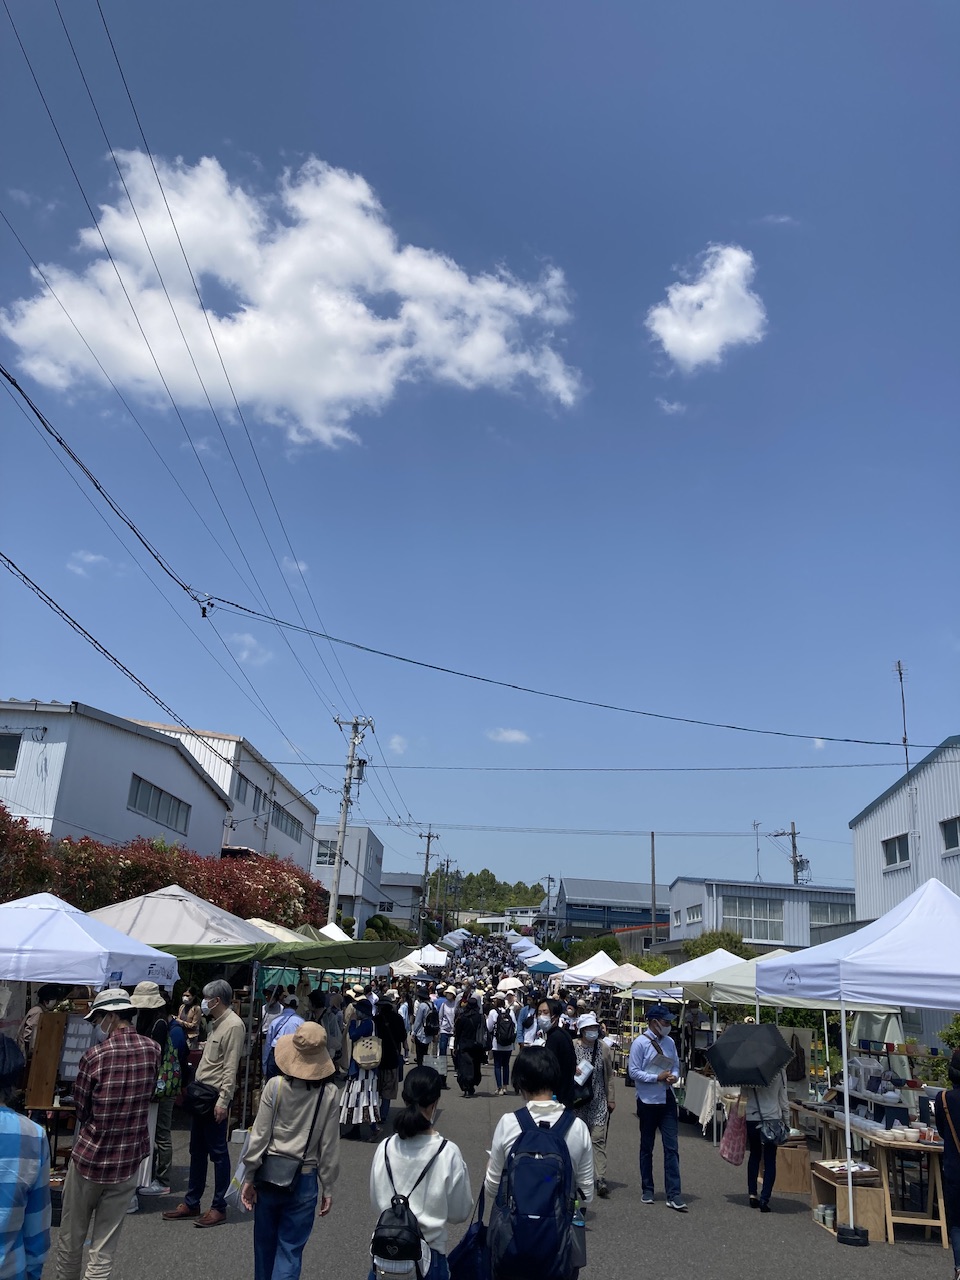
{"type": "Point", "coordinates": [254, 976]}
{"type": "Point", "coordinates": [716, 1100]}
{"type": "Point", "coordinates": [846, 1107]}
{"type": "Point", "coordinates": [826, 1050]}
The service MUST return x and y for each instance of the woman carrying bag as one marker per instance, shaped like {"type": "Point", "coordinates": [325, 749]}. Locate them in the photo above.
{"type": "Point", "coordinates": [361, 1098]}
{"type": "Point", "coordinates": [293, 1153]}
{"type": "Point", "coordinates": [768, 1122]}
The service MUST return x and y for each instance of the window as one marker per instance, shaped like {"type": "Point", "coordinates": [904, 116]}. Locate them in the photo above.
{"type": "Point", "coordinates": [695, 914]}
{"type": "Point", "coordinates": [385, 908]}
{"type": "Point", "coordinates": [257, 799]}
{"type": "Point", "coordinates": [158, 805]}
{"type": "Point", "coordinates": [822, 913]}
{"type": "Point", "coordinates": [9, 750]}
{"type": "Point", "coordinates": [241, 786]}
{"type": "Point", "coordinates": [896, 850]}
{"type": "Point", "coordinates": [286, 822]}
{"type": "Point", "coordinates": [676, 919]}
{"type": "Point", "coordinates": [951, 834]}
{"type": "Point", "coordinates": [759, 918]}
{"type": "Point", "coordinates": [326, 853]}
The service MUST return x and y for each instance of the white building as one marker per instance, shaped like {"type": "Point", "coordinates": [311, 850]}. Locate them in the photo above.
{"type": "Point", "coordinates": [400, 894]}
{"type": "Point", "coordinates": [360, 894]}
{"type": "Point", "coordinates": [72, 770]}
{"type": "Point", "coordinates": [909, 834]}
{"type": "Point", "coordinates": [766, 915]}
{"type": "Point", "coordinates": [269, 813]}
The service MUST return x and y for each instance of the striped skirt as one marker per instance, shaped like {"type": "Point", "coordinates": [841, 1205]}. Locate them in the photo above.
{"type": "Point", "coordinates": [361, 1100]}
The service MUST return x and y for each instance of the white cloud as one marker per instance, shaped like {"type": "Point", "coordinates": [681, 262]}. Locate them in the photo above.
{"type": "Point", "coordinates": [294, 568]}
{"type": "Point", "coordinates": [248, 649]}
{"type": "Point", "coordinates": [818, 744]}
{"type": "Point", "coordinates": [83, 562]}
{"type": "Point", "coordinates": [671, 407]}
{"type": "Point", "coordinates": [320, 312]}
{"type": "Point", "coordinates": [779, 220]}
{"type": "Point", "coordinates": [397, 744]}
{"type": "Point", "coordinates": [507, 735]}
{"type": "Point", "coordinates": [702, 318]}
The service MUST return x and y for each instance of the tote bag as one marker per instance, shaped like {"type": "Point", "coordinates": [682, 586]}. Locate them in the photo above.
{"type": "Point", "coordinates": [733, 1144]}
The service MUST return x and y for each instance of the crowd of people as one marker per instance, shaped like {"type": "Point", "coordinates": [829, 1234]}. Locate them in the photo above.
{"type": "Point", "coordinates": [333, 1064]}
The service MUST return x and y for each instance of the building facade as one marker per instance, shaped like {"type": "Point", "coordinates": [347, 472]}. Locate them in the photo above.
{"type": "Point", "coordinates": [73, 770]}
{"type": "Point", "coordinates": [586, 908]}
{"type": "Point", "coordinates": [269, 814]}
{"type": "Point", "coordinates": [360, 892]}
{"type": "Point", "coordinates": [909, 834]}
{"type": "Point", "coordinates": [400, 894]}
{"type": "Point", "coordinates": [766, 915]}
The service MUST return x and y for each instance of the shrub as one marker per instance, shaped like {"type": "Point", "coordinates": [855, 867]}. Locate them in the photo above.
{"type": "Point", "coordinates": [715, 938]}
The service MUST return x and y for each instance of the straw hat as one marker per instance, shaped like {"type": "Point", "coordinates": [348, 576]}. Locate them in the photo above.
{"type": "Point", "coordinates": [147, 995]}
{"type": "Point", "coordinates": [304, 1054]}
{"type": "Point", "coordinates": [113, 1000]}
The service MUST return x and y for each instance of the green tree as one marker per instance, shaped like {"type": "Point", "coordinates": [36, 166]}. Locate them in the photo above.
{"type": "Point", "coordinates": [708, 942]}
{"type": "Point", "coordinates": [588, 947]}
{"type": "Point", "coordinates": [649, 961]}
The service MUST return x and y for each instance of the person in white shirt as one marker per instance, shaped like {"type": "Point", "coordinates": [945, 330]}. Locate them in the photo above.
{"type": "Point", "coordinates": [442, 1196]}
{"type": "Point", "coordinates": [537, 1076]}
{"type": "Point", "coordinates": [501, 1049]}
{"type": "Point", "coordinates": [447, 1011]}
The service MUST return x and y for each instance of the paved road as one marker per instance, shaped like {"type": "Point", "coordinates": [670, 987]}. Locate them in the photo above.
{"type": "Point", "coordinates": [719, 1238]}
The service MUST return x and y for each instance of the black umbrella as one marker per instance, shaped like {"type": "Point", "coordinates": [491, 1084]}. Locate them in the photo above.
{"type": "Point", "coordinates": [749, 1054]}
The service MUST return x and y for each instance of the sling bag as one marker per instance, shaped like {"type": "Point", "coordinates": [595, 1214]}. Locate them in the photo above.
{"type": "Point", "coordinates": [281, 1173]}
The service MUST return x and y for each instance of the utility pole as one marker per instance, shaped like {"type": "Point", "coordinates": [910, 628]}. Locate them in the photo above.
{"type": "Point", "coordinates": [357, 726]}
{"type": "Point", "coordinates": [799, 863]}
{"type": "Point", "coordinates": [425, 896]}
{"type": "Point", "coordinates": [446, 886]}
{"type": "Point", "coordinates": [549, 908]}
{"type": "Point", "coordinates": [653, 888]}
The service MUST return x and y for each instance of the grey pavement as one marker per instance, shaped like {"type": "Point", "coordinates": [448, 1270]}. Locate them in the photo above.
{"type": "Point", "coordinates": [720, 1236]}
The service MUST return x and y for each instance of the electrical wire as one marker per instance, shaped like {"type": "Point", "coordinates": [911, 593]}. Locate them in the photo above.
{"type": "Point", "coordinates": [705, 768]}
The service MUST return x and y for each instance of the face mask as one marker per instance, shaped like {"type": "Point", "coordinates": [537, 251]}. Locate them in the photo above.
{"type": "Point", "coordinates": [544, 1021]}
{"type": "Point", "coordinates": [99, 1035]}
{"type": "Point", "coordinates": [205, 1006]}
{"type": "Point", "coordinates": [663, 1029]}
{"type": "Point", "coordinates": [591, 1035]}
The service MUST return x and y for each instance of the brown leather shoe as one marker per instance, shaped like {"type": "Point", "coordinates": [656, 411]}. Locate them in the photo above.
{"type": "Point", "coordinates": [181, 1211]}
{"type": "Point", "coordinates": [212, 1218]}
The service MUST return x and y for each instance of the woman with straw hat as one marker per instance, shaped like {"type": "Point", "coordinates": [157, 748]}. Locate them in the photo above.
{"type": "Point", "coordinates": [295, 1140]}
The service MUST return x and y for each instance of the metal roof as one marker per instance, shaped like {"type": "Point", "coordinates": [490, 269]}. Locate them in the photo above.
{"type": "Point", "coordinates": [399, 878]}
{"type": "Point", "coordinates": [610, 892]}
{"type": "Point", "coordinates": [907, 777]}
{"type": "Point", "coordinates": [763, 884]}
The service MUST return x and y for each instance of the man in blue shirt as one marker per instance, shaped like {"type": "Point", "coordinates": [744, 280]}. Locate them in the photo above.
{"type": "Point", "coordinates": [24, 1180]}
{"type": "Point", "coordinates": [654, 1067]}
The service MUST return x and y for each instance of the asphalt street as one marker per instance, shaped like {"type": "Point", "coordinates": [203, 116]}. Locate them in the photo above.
{"type": "Point", "coordinates": [720, 1236]}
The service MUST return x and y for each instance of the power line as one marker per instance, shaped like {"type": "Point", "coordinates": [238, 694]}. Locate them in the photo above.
{"type": "Point", "coordinates": [706, 768]}
{"type": "Point", "coordinates": [232, 606]}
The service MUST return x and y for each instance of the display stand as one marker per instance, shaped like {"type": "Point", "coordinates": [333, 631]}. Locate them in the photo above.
{"type": "Point", "coordinates": [868, 1205]}
{"type": "Point", "coordinates": [45, 1062]}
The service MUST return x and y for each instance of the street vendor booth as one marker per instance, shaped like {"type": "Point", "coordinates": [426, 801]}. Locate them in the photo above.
{"type": "Point", "coordinates": [910, 956]}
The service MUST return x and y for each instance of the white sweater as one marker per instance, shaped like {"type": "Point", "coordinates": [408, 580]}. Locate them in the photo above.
{"type": "Point", "coordinates": [579, 1145]}
{"type": "Point", "coordinates": [443, 1196]}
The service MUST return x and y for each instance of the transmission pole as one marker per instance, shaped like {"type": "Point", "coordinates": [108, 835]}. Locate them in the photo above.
{"type": "Point", "coordinates": [357, 726]}
{"type": "Point", "coordinates": [425, 896]}
{"type": "Point", "coordinates": [653, 888]}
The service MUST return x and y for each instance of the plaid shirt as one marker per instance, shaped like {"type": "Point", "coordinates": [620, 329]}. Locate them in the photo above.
{"type": "Point", "coordinates": [113, 1092]}
{"type": "Point", "coordinates": [24, 1197]}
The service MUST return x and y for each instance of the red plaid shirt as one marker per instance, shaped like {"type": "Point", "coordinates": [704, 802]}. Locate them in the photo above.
{"type": "Point", "coordinates": [113, 1092]}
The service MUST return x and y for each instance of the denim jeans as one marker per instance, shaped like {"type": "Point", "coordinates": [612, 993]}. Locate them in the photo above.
{"type": "Point", "coordinates": [501, 1067]}
{"type": "Point", "coordinates": [444, 1043]}
{"type": "Point", "coordinates": [758, 1148]}
{"type": "Point", "coordinates": [282, 1224]}
{"type": "Point", "coordinates": [208, 1140]}
{"type": "Point", "coordinates": [439, 1270]}
{"type": "Point", "coordinates": [951, 1202]}
{"type": "Point", "coordinates": [163, 1147]}
{"type": "Point", "coordinates": [662, 1117]}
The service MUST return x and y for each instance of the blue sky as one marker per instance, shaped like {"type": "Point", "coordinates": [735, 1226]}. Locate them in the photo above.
{"type": "Point", "coordinates": [608, 350]}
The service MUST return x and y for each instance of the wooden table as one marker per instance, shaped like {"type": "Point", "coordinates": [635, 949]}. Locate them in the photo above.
{"type": "Point", "coordinates": [880, 1148]}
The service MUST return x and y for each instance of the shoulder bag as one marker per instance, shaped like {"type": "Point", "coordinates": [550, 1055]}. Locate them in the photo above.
{"type": "Point", "coordinates": [775, 1131]}
{"type": "Point", "coordinates": [367, 1052]}
{"type": "Point", "coordinates": [281, 1173]}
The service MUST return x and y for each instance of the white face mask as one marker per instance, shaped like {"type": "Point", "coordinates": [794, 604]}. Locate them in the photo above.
{"type": "Point", "coordinates": [205, 1006]}
{"type": "Point", "coordinates": [591, 1034]}
{"type": "Point", "coordinates": [543, 1021]}
{"type": "Point", "coordinates": [661, 1029]}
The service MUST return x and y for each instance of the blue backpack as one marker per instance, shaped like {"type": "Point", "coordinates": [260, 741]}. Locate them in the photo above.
{"type": "Point", "coordinates": [530, 1225]}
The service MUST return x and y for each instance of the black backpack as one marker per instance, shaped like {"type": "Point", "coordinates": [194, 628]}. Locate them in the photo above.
{"type": "Point", "coordinates": [397, 1235]}
{"type": "Point", "coordinates": [431, 1023]}
{"type": "Point", "coordinates": [506, 1031]}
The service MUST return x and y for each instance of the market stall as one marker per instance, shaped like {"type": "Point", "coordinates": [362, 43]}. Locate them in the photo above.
{"type": "Point", "coordinates": [908, 955]}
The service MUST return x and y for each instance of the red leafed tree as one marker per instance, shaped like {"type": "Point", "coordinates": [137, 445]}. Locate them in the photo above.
{"type": "Point", "coordinates": [90, 874]}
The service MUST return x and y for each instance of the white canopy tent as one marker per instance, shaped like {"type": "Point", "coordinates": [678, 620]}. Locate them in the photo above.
{"type": "Point", "coordinates": [624, 975]}
{"type": "Point", "coordinates": [738, 985]}
{"type": "Point", "coordinates": [428, 957]}
{"type": "Point", "coordinates": [335, 933]}
{"type": "Point", "coordinates": [44, 939]}
{"type": "Point", "coordinates": [585, 973]}
{"type": "Point", "coordinates": [190, 926]}
{"type": "Point", "coordinates": [674, 980]}
{"type": "Point", "coordinates": [910, 954]}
